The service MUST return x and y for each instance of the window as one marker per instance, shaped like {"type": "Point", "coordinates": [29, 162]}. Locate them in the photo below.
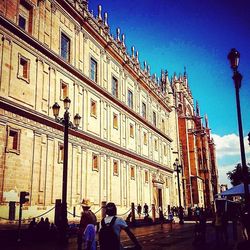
{"type": "Point", "coordinates": [95, 166]}
{"type": "Point", "coordinates": [64, 90]}
{"type": "Point", "coordinates": [25, 16]}
{"type": "Point", "coordinates": [13, 140]}
{"type": "Point", "coordinates": [93, 70]}
{"type": "Point", "coordinates": [131, 130]}
{"type": "Point", "coordinates": [145, 139]}
{"type": "Point", "coordinates": [22, 22]}
{"type": "Point", "coordinates": [115, 121]}
{"type": "Point", "coordinates": [132, 173]}
{"type": "Point", "coordinates": [146, 176]}
{"type": "Point", "coordinates": [115, 168]}
{"type": "Point", "coordinates": [154, 118]}
{"type": "Point", "coordinates": [144, 110]}
{"type": "Point", "coordinates": [23, 68]}
{"type": "Point", "coordinates": [114, 87]}
{"type": "Point", "coordinates": [65, 47]}
{"type": "Point", "coordinates": [130, 99]}
{"type": "Point", "coordinates": [60, 153]}
{"type": "Point", "coordinates": [93, 108]}
{"type": "Point", "coordinates": [156, 145]}
{"type": "Point", "coordinates": [163, 125]}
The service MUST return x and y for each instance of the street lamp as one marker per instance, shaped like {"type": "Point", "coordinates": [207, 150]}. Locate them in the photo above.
{"type": "Point", "coordinates": [234, 57]}
{"type": "Point", "coordinates": [178, 168]}
{"type": "Point", "coordinates": [65, 121]}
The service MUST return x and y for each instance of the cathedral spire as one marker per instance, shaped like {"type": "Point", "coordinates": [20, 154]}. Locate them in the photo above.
{"type": "Point", "coordinates": [197, 109]}
{"type": "Point", "coordinates": [206, 121]}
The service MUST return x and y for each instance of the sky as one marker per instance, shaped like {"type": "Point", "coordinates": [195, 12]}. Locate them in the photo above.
{"type": "Point", "coordinates": [198, 35]}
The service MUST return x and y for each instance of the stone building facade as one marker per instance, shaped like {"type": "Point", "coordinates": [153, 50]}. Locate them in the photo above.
{"type": "Point", "coordinates": [128, 138]}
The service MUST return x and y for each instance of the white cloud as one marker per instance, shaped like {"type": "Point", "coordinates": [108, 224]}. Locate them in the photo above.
{"type": "Point", "coordinates": [229, 145]}
{"type": "Point", "coordinates": [228, 150]}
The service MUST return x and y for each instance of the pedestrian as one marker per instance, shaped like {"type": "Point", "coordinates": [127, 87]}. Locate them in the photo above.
{"type": "Point", "coordinates": [145, 210]}
{"type": "Point", "coordinates": [224, 227]}
{"type": "Point", "coordinates": [161, 216]}
{"type": "Point", "coordinates": [87, 217]}
{"type": "Point", "coordinates": [139, 210]}
{"type": "Point", "coordinates": [218, 226]}
{"type": "Point", "coordinates": [181, 215]}
{"type": "Point", "coordinates": [110, 228]}
{"type": "Point", "coordinates": [89, 237]}
{"type": "Point", "coordinates": [32, 229]}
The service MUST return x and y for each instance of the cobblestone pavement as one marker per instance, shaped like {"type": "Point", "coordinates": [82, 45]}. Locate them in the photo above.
{"type": "Point", "coordinates": [151, 238]}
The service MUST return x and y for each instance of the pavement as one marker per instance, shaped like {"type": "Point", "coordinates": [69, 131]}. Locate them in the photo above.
{"type": "Point", "coordinates": [152, 237]}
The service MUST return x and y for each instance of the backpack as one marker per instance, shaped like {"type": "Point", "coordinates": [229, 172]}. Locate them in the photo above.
{"type": "Point", "coordinates": [108, 239]}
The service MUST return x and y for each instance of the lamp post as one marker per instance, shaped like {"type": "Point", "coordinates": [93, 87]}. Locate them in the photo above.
{"type": "Point", "coordinates": [234, 57]}
{"type": "Point", "coordinates": [65, 121]}
{"type": "Point", "coordinates": [178, 168]}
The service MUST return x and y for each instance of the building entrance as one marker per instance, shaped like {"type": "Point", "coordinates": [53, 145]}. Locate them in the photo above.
{"type": "Point", "coordinates": [160, 197]}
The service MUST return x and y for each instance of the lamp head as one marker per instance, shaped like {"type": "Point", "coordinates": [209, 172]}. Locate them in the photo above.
{"type": "Point", "coordinates": [66, 103]}
{"type": "Point", "coordinates": [56, 109]}
{"type": "Point", "coordinates": [77, 119]}
{"type": "Point", "coordinates": [234, 58]}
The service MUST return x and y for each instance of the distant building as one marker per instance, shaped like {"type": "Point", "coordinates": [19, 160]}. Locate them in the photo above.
{"type": "Point", "coordinates": [198, 152]}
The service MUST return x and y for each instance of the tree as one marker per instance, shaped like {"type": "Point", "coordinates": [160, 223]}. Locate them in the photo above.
{"type": "Point", "coordinates": [236, 176]}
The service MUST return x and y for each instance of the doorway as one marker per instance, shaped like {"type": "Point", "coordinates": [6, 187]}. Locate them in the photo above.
{"type": "Point", "coordinates": [160, 197]}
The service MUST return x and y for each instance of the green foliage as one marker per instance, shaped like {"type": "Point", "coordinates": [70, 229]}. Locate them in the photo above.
{"type": "Point", "coordinates": [236, 176]}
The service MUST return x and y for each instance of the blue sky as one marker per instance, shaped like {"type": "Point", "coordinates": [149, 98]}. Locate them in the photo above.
{"type": "Point", "coordinates": [171, 34]}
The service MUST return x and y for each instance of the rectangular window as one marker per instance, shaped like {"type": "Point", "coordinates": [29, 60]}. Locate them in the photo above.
{"type": "Point", "coordinates": [115, 121]}
{"type": "Point", "coordinates": [93, 108]}
{"type": "Point", "coordinates": [144, 110]}
{"type": "Point", "coordinates": [24, 68]}
{"type": "Point", "coordinates": [131, 130]}
{"type": "Point", "coordinates": [156, 145]}
{"type": "Point", "coordinates": [25, 16]}
{"type": "Point", "coordinates": [22, 22]}
{"type": "Point", "coordinates": [154, 118]}
{"type": "Point", "coordinates": [95, 166]}
{"type": "Point", "coordinates": [65, 47]}
{"type": "Point", "coordinates": [115, 168]}
{"type": "Point", "coordinates": [13, 140]}
{"type": "Point", "coordinates": [146, 176]}
{"type": "Point", "coordinates": [132, 173]}
{"type": "Point", "coordinates": [145, 139]}
{"type": "Point", "coordinates": [114, 87]}
{"type": "Point", "coordinates": [93, 70]}
{"type": "Point", "coordinates": [60, 153]}
{"type": "Point", "coordinates": [130, 99]}
{"type": "Point", "coordinates": [64, 90]}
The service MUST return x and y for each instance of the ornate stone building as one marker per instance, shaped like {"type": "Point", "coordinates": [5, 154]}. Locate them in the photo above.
{"type": "Point", "coordinates": [198, 153]}
{"type": "Point", "coordinates": [128, 139]}
{"type": "Point", "coordinates": [122, 151]}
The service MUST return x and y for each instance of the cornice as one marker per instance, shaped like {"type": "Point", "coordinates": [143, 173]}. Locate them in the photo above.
{"type": "Point", "coordinates": [55, 58]}
{"type": "Point", "coordinates": [47, 121]}
{"type": "Point", "coordinates": [97, 30]}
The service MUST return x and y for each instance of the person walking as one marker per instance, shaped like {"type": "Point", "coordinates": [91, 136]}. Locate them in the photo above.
{"type": "Point", "coordinates": [110, 228]}
{"type": "Point", "coordinates": [139, 210]}
{"type": "Point", "coordinates": [87, 217]}
{"type": "Point", "coordinates": [145, 210]}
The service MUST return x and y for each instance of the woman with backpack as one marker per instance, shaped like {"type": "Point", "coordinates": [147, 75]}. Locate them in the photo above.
{"type": "Point", "coordinates": [110, 228]}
